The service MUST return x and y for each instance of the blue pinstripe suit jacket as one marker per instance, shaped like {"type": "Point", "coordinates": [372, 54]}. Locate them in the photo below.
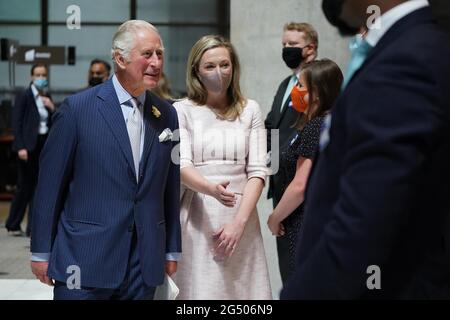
{"type": "Point", "coordinates": [87, 199]}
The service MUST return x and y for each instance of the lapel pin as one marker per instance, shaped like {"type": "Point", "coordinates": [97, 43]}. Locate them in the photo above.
{"type": "Point", "coordinates": [156, 112]}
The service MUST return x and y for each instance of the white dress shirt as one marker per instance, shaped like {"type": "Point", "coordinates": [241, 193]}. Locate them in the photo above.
{"type": "Point", "coordinates": [43, 112]}
{"type": "Point", "coordinates": [389, 18]}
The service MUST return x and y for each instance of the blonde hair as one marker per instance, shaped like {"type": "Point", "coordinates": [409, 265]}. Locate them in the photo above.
{"type": "Point", "coordinates": [162, 90]}
{"type": "Point", "coordinates": [308, 30]}
{"type": "Point", "coordinates": [196, 91]}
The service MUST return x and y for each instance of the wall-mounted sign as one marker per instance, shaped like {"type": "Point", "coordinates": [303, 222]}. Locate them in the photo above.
{"type": "Point", "coordinates": [40, 54]}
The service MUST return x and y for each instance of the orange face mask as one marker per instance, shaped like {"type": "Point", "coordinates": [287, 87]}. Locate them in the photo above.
{"type": "Point", "coordinates": [298, 99]}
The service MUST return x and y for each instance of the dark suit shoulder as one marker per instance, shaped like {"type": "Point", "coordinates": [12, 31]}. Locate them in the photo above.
{"type": "Point", "coordinates": [26, 92]}
{"type": "Point", "coordinates": [424, 34]}
{"type": "Point", "coordinates": [283, 85]}
{"type": "Point", "coordinates": [416, 36]}
{"type": "Point", "coordinates": [84, 99]}
{"type": "Point", "coordinates": [277, 98]}
{"type": "Point", "coordinates": [85, 94]}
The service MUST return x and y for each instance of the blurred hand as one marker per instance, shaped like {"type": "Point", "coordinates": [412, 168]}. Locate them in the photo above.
{"type": "Point", "coordinates": [275, 226]}
{"type": "Point", "coordinates": [23, 154]}
{"type": "Point", "coordinates": [171, 267]}
{"type": "Point", "coordinates": [225, 197]}
{"type": "Point", "coordinates": [39, 269]}
{"type": "Point", "coordinates": [48, 103]}
{"type": "Point", "coordinates": [226, 240]}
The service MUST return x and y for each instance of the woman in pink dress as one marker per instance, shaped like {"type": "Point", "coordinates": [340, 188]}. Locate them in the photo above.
{"type": "Point", "coordinates": [223, 171]}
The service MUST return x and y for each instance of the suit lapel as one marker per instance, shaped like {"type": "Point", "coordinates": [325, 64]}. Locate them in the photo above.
{"type": "Point", "coordinates": [283, 112]}
{"type": "Point", "coordinates": [279, 99]}
{"type": "Point", "coordinates": [277, 103]}
{"type": "Point", "coordinates": [34, 110]}
{"type": "Point", "coordinates": [112, 113]}
{"type": "Point", "coordinates": [152, 125]}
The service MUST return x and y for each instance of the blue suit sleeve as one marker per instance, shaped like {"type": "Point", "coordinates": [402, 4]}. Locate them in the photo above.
{"type": "Point", "coordinates": [55, 170]}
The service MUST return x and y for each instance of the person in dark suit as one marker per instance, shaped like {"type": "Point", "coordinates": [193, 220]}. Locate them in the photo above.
{"type": "Point", "coordinates": [378, 206]}
{"type": "Point", "coordinates": [300, 43]}
{"type": "Point", "coordinates": [31, 120]}
{"type": "Point", "coordinates": [107, 215]}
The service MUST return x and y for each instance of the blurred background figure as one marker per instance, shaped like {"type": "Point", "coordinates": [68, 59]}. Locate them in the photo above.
{"type": "Point", "coordinates": [31, 120]}
{"type": "Point", "coordinates": [98, 72]}
{"type": "Point", "coordinates": [377, 209]}
{"type": "Point", "coordinates": [163, 90]}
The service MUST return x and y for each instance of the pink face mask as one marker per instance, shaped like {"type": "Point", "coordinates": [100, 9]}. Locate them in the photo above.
{"type": "Point", "coordinates": [215, 81]}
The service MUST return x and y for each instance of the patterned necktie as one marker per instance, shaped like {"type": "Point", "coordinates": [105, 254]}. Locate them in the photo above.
{"type": "Point", "coordinates": [359, 48]}
{"type": "Point", "coordinates": [134, 127]}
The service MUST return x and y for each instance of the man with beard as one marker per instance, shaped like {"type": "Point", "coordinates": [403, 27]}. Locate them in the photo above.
{"type": "Point", "coordinates": [376, 220]}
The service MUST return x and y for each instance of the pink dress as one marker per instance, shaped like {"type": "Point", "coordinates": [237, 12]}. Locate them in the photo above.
{"type": "Point", "coordinates": [221, 150]}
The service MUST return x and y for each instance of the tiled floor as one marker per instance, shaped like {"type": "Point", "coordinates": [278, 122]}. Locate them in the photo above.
{"type": "Point", "coordinates": [17, 281]}
{"type": "Point", "coordinates": [24, 289]}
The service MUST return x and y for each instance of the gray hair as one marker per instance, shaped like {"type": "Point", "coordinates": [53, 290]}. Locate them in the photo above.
{"type": "Point", "coordinates": [123, 40]}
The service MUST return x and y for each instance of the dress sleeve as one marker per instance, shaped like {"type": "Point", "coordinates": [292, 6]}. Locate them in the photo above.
{"type": "Point", "coordinates": [256, 159]}
{"type": "Point", "coordinates": [186, 158]}
{"type": "Point", "coordinates": [310, 136]}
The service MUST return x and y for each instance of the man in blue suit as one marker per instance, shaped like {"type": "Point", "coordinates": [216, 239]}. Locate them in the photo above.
{"type": "Point", "coordinates": [106, 220]}
{"type": "Point", "coordinates": [378, 207]}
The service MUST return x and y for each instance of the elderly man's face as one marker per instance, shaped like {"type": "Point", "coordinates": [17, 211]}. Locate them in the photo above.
{"type": "Point", "coordinates": [146, 61]}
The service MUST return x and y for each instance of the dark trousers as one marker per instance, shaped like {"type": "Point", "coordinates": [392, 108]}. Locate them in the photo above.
{"type": "Point", "coordinates": [26, 184]}
{"type": "Point", "coordinates": [283, 251]}
{"type": "Point", "coordinates": [132, 287]}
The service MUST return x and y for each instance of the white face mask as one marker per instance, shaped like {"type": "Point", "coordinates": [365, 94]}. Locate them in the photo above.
{"type": "Point", "coordinates": [215, 81]}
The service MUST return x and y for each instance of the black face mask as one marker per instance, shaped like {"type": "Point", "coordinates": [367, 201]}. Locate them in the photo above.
{"type": "Point", "coordinates": [332, 10]}
{"type": "Point", "coordinates": [95, 81]}
{"type": "Point", "coordinates": [293, 56]}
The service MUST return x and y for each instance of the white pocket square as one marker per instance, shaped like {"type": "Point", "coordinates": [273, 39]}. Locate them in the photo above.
{"type": "Point", "coordinates": [167, 291]}
{"type": "Point", "coordinates": [166, 135]}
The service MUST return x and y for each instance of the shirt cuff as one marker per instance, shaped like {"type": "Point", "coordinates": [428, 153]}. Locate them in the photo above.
{"type": "Point", "coordinates": [173, 256]}
{"type": "Point", "coordinates": [40, 257]}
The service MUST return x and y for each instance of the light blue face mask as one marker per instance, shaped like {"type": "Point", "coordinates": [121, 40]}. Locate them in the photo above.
{"type": "Point", "coordinates": [355, 42]}
{"type": "Point", "coordinates": [40, 83]}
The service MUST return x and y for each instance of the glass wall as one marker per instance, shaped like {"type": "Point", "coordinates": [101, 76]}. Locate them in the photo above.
{"type": "Point", "coordinates": [181, 24]}
{"type": "Point", "coordinates": [20, 10]}
{"type": "Point", "coordinates": [91, 42]}
{"type": "Point", "coordinates": [38, 22]}
{"type": "Point", "coordinates": [91, 10]}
